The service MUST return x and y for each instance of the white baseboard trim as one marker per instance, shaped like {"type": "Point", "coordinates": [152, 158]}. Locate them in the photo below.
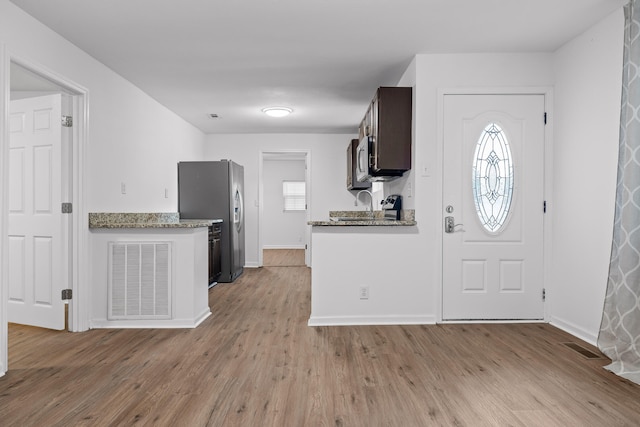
{"type": "Point", "coordinates": [150, 324]}
{"type": "Point", "coordinates": [488, 322]}
{"type": "Point", "coordinates": [300, 246]}
{"type": "Point", "coordinates": [370, 320]}
{"type": "Point", "coordinates": [574, 330]}
{"type": "Point", "coordinates": [252, 265]}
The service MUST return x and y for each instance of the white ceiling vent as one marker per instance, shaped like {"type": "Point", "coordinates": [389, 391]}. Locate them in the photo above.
{"type": "Point", "coordinates": [139, 280]}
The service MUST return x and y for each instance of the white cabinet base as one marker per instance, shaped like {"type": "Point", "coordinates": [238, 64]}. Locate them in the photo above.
{"type": "Point", "coordinates": [187, 278]}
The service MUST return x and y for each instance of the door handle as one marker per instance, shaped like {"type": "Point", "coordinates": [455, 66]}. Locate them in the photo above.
{"type": "Point", "coordinates": [450, 225]}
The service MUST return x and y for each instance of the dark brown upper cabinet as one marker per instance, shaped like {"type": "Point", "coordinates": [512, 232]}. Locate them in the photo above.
{"type": "Point", "coordinates": [387, 124]}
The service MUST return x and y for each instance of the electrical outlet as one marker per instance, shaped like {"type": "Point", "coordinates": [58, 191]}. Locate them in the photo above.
{"type": "Point", "coordinates": [123, 188]}
{"type": "Point", "coordinates": [364, 292]}
{"type": "Point", "coordinates": [166, 193]}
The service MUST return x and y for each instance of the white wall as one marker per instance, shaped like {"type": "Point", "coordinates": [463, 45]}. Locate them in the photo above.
{"type": "Point", "coordinates": [282, 230]}
{"type": "Point", "coordinates": [187, 282]}
{"type": "Point", "coordinates": [586, 122]}
{"type": "Point", "coordinates": [328, 172]}
{"type": "Point", "coordinates": [417, 287]}
{"type": "Point", "coordinates": [131, 138]}
{"type": "Point", "coordinates": [378, 258]}
{"type": "Point", "coordinates": [585, 116]}
{"type": "Point", "coordinates": [429, 74]}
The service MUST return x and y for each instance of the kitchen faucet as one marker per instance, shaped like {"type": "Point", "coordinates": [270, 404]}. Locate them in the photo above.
{"type": "Point", "coordinates": [370, 199]}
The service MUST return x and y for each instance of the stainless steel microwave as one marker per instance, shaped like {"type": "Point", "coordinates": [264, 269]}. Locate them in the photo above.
{"type": "Point", "coordinates": [362, 160]}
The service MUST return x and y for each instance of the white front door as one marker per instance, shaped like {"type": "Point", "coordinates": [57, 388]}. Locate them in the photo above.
{"type": "Point", "coordinates": [493, 207]}
{"type": "Point", "coordinates": [35, 218]}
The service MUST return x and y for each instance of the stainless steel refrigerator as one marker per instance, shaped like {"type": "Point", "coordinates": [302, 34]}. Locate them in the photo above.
{"type": "Point", "coordinates": [215, 190]}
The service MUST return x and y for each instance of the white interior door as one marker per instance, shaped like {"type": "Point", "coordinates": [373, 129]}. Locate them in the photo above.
{"type": "Point", "coordinates": [35, 218]}
{"type": "Point", "coordinates": [493, 207]}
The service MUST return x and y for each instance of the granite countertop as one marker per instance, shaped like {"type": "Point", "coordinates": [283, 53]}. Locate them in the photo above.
{"type": "Point", "coordinates": [362, 218]}
{"type": "Point", "coordinates": [145, 220]}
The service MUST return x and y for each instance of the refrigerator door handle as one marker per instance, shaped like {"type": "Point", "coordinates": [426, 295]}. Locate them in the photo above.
{"type": "Point", "coordinates": [238, 214]}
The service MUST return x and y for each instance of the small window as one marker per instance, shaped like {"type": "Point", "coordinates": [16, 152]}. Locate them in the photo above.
{"type": "Point", "coordinates": [294, 195]}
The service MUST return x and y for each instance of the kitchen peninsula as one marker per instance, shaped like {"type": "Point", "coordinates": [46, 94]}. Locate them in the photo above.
{"type": "Point", "coordinates": [362, 270]}
{"type": "Point", "coordinates": [149, 270]}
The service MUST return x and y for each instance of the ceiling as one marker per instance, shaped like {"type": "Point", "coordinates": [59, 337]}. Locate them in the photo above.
{"type": "Point", "coordinates": [322, 58]}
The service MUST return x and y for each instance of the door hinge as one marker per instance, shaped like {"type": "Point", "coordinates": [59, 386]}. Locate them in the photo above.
{"type": "Point", "coordinates": [544, 294]}
{"type": "Point", "coordinates": [67, 294]}
{"type": "Point", "coordinates": [67, 121]}
{"type": "Point", "coordinates": [544, 207]}
{"type": "Point", "coordinates": [67, 208]}
{"type": "Point", "coordinates": [545, 118]}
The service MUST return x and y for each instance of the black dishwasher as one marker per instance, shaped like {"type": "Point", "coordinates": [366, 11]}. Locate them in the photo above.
{"type": "Point", "coordinates": [215, 264]}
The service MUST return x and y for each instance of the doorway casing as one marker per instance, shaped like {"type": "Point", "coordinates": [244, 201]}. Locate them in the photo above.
{"type": "Point", "coordinates": [78, 274]}
{"type": "Point", "coordinates": [284, 154]}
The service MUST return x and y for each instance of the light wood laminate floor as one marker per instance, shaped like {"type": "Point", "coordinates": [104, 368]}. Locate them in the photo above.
{"type": "Point", "coordinates": [283, 257]}
{"type": "Point", "coordinates": [255, 362]}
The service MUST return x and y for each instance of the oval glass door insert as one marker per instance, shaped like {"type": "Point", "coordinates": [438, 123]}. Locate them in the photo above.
{"type": "Point", "coordinates": [492, 176]}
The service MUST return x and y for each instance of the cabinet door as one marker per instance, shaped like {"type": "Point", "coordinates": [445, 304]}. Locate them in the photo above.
{"type": "Point", "coordinates": [391, 128]}
{"type": "Point", "coordinates": [350, 166]}
{"type": "Point", "coordinates": [366, 124]}
{"type": "Point", "coordinates": [373, 117]}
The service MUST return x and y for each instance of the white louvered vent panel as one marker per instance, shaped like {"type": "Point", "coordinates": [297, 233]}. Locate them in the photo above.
{"type": "Point", "coordinates": [139, 280]}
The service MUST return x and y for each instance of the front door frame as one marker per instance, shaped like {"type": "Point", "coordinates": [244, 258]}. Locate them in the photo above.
{"type": "Point", "coordinates": [79, 306]}
{"type": "Point", "coordinates": [547, 92]}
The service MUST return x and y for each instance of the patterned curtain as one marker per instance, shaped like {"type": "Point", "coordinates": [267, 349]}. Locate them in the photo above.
{"type": "Point", "coordinates": [619, 335]}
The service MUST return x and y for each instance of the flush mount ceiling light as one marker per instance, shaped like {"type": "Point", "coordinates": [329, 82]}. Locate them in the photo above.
{"type": "Point", "coordinates": [277, 111]}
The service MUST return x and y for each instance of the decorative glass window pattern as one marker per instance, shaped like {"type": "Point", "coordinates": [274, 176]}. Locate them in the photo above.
{"type": "Point", "coordinates": [492, 176]}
